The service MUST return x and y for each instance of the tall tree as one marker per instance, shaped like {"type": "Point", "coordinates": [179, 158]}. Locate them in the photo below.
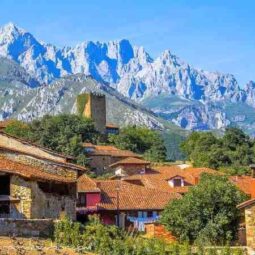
{"type": "Point", "coordinates": [206, 213]}
{"type": "Point", "coordinates": [63, 133]}
{"type": "Point", "coordinates": [140, 140]}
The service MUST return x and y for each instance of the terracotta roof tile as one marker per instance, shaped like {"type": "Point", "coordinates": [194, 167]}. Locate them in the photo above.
{"type": "Point", "coordinates": [86, 184]}
{"type": "Point", "coordinates": [56, 162]}
{"type": "Point", "coordinates": [30, 172]}
{"type": "Point", "coordinates": [131, 161]}
{"type": "Point", "coordinates": [132, 196]}
{"type": "Point", "coordinates": [109, 150]}
{"type": "Point", "coordinates": [245, 184]}
{"type": "Point", "coordinates": [36, 145]}
{"type": "Point", "coordinates": [158, 177]}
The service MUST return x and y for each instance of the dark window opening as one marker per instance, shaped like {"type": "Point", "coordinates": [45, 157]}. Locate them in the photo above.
{"type": "Point", "coordinates": [55, 188]}
{"type": "Point", "coordinates": [4, 185]}
{"type": "Point", "coordinates": [4, 209]}
{"type": "Point", "coordinates": [177, 182]}
{"type": "Point", "coordinates": [82, 201]}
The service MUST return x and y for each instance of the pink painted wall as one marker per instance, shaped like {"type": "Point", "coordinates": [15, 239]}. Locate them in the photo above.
{"type": "Point", "coordinates": [93, 198]}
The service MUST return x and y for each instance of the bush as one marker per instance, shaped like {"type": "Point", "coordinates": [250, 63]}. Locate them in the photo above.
{"type": "Point", "coordinates": [105, 240]}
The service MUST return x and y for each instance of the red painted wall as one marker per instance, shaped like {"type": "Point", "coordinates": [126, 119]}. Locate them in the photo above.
{"type": "Point", "coordinates": [93, 199]}
{"type": "Point", "coordinates": [107, 219]}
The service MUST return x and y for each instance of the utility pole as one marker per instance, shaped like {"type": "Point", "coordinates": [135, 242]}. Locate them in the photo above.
{"type": "Point", "coordinates": [118, 204]}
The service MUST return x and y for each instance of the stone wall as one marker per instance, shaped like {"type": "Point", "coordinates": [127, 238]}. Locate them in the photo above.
{"type": "Point", "coordinates": [95, 108]}
{"type": "Point", "coordinates": [250, 226]}
{"type": "Point", "coordinates": [15, 144]}
{"type": "Point", "coordinates": [30, 228]}
{"type": "Point", "coordinates": [101, 163]}
{"type": "Point", "coordinates": [36, 204]}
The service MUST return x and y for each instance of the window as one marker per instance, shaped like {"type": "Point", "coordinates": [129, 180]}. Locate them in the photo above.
{"type": "Point", "coordinates": [177, 182]}
{"type": "Point", "coordinates": [82, 199]}
{"type": "Point", "coordinates": [48, 187]}
{"type": "Point", "coordinates": [4, 185]}
{"type": "Point", "coordinates": [4, 208]}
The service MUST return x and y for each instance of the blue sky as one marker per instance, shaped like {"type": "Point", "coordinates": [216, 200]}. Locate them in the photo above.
{"type": "Point", "coordinates": [214, 35]}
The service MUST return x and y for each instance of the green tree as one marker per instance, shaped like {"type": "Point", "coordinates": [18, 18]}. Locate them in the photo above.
{"type": "Point", "coordinates": [140, 140]}
{"type": "Point", "coordinates": [206, 213]}
{"type": "Point", "coordinates": [235, 150]}
{"type": "Point", "coordinates": [63, 133]}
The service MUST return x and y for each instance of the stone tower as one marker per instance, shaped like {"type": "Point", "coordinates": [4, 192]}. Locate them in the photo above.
{"type": "Point", "coordinates": [95, 108]}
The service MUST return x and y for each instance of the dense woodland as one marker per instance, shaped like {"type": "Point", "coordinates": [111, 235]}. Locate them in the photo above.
{"type": "Point", "coordinates": [65, 133]}
{"type": "Point", "coordinates": [232, 153]}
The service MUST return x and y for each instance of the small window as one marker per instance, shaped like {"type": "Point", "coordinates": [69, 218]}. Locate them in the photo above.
{"type": "Point", "coordinates": [82, 200]}
{"type": "Point", "coordinates": [177, 182]}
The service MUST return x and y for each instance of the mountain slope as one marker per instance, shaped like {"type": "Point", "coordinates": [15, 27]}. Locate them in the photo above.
{"type": "Point", "coordinates": [202, 100]}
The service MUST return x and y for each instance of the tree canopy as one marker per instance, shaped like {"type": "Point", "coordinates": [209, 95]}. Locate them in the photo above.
{"type": "Point", "coordinates": [63, 133]}
{"type": "Point", "coordinates": [140, 140]}
{"type": "Point", "coordinates": [207, 213]}
{"type": "Point", "coordinates": [231, 153]}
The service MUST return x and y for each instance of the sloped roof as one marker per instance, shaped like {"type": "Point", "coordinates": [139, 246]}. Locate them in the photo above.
{"type": "Point", "coordinates": [109, 150]}
{"type": "Point", "coordinates": [245, 184]}
{"type": "Point", "coordinates": [246, 203]}
{"type": "Point", "coordinates": [157, 177]}
{"type": "Point", "coordinates": [38, 146]}
{"type": "Point", "coordinates": [63, 164]}
{"type": "Point", "coordinates": [130, 161]}
{"type": "Point", "coordinates": [132, 197]}
{"type": "Point", "coordinates": [30, 172]}
{"type": "Point", "coordinates": [86, 184]}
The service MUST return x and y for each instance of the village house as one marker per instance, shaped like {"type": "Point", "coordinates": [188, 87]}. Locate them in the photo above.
{"type": "Point", "coordinates": [136, 198]}
{"type": "Point", "coordinates": [101, 157]}
{"type": "Point", "coordinates": [121, 202]}
{"type": "Point", "coordinates": [129, 166]}
{"type": "Point", "coordinates": [37, 186]}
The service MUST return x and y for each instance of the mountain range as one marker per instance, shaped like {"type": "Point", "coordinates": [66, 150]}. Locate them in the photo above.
{"type": "Point", "coordinates": [158, 91]}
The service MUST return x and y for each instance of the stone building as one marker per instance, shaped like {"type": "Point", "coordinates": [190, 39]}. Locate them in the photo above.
{"type": "Point", "coordinates": [36, 185]}
{"type": "Point", "coordinates": [130, 166]}
{"type": "Point", "coordinates": [102, 156]}
{"type": "Point", "coordinates": [247, 236]}
{"type": "Point", "coordinates": [95, 108]}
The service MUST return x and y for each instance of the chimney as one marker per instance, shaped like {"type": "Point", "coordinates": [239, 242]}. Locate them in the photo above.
{"type": "Point", "coordinates": [196, 180]}
{"type": "Point", "coordinates": [252, 167]}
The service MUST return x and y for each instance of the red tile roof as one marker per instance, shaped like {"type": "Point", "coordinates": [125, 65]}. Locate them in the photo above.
{"type": "Point", "coordinates": [30, 172]}
{"type": "Point", "coordinates": [86, 184]}
{"type": "Point", "coordinates": [108, 150]}
{"type": "Point", "coordinates": [56, 162]}
{"type": "Point", "coordinates": [158, 177]}
{"type": "Point", "coordinates": [130, 161]}
{"type": "Point", "coordinates": [38, 146]}
{"type": "Point", "coordinates": [245, 184]}
{"type": "Point", "coordinates": [132, 197]}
